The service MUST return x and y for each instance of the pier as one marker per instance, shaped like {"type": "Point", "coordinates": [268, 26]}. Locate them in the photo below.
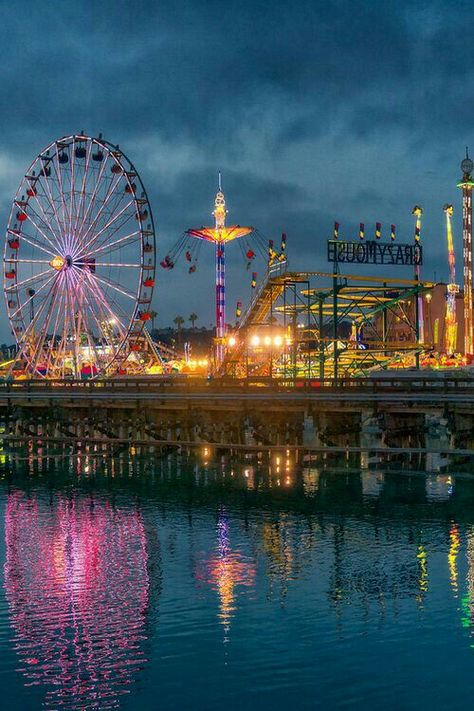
{"type": "Point", "coordinates": [391, 415]}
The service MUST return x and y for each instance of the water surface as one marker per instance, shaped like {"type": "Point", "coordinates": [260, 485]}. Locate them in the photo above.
{"type": "Point", "coordinates": [176, 584]}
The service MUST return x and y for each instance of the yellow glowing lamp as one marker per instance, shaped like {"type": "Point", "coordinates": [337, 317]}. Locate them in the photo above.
{"type": "Point", "coordinates": [57, 263]}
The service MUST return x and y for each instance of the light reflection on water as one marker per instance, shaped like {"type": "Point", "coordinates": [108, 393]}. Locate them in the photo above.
{"type": "Point", "coordinates": [175, 584]}
{"type": "Point", "coordinates": [225, 571]}
{"type": "Point", "coordinates": [76, 584]}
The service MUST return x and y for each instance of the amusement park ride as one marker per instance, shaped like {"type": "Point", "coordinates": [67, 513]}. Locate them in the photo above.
{"type": "Point", "coordinates": [80, 272]}
{"type": "Point", "coordinates": [220, 235]}
{"type": "Point", "coordinates": [466, 185]}
{"type": "Point", "coordinates": [80, 262]}
{"type": "Point", "coordinates": [452, 287]}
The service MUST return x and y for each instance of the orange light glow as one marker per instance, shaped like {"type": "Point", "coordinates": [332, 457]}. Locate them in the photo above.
{"type": "Point", "coordinates": [224, 234]}
{"type": "Point", "coordinates": [57, 263]}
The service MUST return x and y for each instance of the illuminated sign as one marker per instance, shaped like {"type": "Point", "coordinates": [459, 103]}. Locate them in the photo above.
{"type": "Point", "coordinates": [375, 252]}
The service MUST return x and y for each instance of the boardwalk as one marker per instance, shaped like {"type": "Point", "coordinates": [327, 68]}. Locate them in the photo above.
{"type": "Point", "coordinates": [156, 392]}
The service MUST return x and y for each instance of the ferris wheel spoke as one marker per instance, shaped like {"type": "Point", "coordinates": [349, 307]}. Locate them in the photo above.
{"type": "Point", "coordinates": [25, 237]}
{"type": "Point", "coordinates": [99, 204]}
{"type": "Point", "coordinates": [83, 186]}
{"type": "Point", "coordinates": [43, 218]}
{"type": "Point", "coordinates": [118, 264]}
{"type": "Point", "coordinates": [115, 202]}
{"type": "Point", "coordinates": [62, 345]}
{"type": "Point", "coordinates": [59, 312]}
{"type": "Point", "coordinates": [113, 285]}
{"type": "Point", "coordinates": [69, 334]}
{"type": "Point", "coordinates": [115, 183]}
{"type": "Point", "coordinates": [41, 221]}
{"type": "Point", "coordinates": [74, 295]}
{"type": "Point", "coordinates": [34, 296]}
{"type": "Point", "coordinates": [101, 330]}
{"type": "Point", "coordinates": [117, 309]}
{"type": "Point", "coordinates": [26, 261]}
{"type": "Point", "coordinates": [37, 316]}
{"type": "Point", "coordinates": [112, 246]}
{"type": "Point", "coordinates": [104, 211]}
{"type": "Point", "coordinates": [29, 280]}
{"type": "Point", "coordinates": [72, 184]}
{"type": "Point", "coordinates": [105, 317]}
{"type": "Point", "coordinates": [89, 335]}
{"type": "Point", "coordinates": [47, 185]}
{"type": "Point", "coordinates": [109, 233]}
{"type": "Point", "coordinates": [99, 295]}
{"type": "Point", "coordinates": [94, 193]}
{"type": "Point", "coordinates": [58, 171]}
{"type": "Point", "coordinates": [49, 200]}
{"type": "Point", "coordinates": [102, 318]}
{"type": "Point", "coordinates": [30, 219]}
{"type": "Point", "coordinates": [44, 331]}
{"type": "Point", "coordinates": [105, 232]}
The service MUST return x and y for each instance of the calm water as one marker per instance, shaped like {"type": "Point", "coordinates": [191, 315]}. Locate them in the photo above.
{"type": "Point", "coordinates": [148, 584]}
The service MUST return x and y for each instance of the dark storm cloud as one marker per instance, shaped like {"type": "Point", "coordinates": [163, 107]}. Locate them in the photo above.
{"type": "Point", "coordinates": [314, 111]}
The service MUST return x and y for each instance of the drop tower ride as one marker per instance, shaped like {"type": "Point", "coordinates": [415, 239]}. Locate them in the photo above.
{"type": "Point", "coordinates": [466, 186]}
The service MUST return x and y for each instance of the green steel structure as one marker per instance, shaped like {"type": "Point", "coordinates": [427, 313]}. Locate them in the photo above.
{"type": "Point", "coordinates": [324, 327]}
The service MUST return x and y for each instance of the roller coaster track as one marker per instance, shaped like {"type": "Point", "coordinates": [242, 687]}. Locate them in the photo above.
{"type": "Point", "coordinates": [269, 290]}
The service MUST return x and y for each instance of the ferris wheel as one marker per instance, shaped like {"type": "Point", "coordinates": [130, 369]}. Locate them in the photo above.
{"type": "Point", "coordinates": [79, 260]}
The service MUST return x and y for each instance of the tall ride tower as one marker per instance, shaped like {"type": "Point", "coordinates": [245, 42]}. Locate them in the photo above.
{"type": "Point", "coordinates": [466, 185]}
{"type": "Point", "coordinates": [220, 235]}
{"type": "Point", "coordinates": [452, 288]}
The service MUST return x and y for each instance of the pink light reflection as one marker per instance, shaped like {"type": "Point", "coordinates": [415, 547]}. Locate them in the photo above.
{"type": "Point", "coordinates": [77, 588]}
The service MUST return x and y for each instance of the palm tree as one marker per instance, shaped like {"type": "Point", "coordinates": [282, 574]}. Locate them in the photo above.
{"type": "Point", "coordinates": [193, 318]}
{"type": "Point", "coordinates": [178, 320]}
{"type": "Point", "coordinates": [153, 315]}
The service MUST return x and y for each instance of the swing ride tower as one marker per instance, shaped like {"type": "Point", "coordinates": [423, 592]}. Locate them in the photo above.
{"type": "Point", "coordinates": [220, 235]}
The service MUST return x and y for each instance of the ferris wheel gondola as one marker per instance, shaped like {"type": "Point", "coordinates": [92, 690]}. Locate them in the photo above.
{"type": "Point", "coordinates": [79, 259]}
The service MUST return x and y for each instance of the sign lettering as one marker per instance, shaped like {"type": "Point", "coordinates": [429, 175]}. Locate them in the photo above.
{"type": "Point", "coordinates": [372, 252]}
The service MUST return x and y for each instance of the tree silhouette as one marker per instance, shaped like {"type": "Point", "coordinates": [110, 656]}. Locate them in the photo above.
{"type": "Point", "coordinates": [153, 315]}
{"type": "Point", "coordinates": [193, 318]}
{"type": "Point", "coordinates": [178, 321]}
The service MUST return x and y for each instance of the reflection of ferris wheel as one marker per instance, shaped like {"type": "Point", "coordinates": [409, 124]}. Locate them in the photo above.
{"type": "Point", "coordinates": [79, 259]}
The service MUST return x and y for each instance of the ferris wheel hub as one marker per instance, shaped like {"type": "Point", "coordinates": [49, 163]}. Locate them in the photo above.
{"type": "Point", "coordinates": [57, 263]}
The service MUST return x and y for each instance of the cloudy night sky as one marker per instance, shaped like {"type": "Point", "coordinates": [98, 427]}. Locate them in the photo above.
{"type": "Point", "coordinates": [314, 112]}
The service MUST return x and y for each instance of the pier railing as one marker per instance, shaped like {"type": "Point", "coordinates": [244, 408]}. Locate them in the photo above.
{"type": "Point", "coordinates": [195, 386]}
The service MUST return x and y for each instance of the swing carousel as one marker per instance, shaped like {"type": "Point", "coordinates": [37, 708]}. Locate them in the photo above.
{"type": "Point", "coordinates": [252, 247]}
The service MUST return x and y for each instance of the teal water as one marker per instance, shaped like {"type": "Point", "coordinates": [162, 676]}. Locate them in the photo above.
{"type": "Point", "coordinates": [140, 583]}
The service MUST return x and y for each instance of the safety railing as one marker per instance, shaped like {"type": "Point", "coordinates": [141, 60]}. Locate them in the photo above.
{"type": "Point", "coordinates": [195, 385]}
